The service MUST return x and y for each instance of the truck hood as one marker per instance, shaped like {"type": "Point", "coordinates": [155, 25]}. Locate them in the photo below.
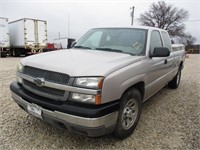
{"type": "Point", "coordinates": [77, 62]}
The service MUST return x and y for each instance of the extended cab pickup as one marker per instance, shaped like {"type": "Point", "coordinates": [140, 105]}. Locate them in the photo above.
{"type": "Point", "coordinates": [99, 85]}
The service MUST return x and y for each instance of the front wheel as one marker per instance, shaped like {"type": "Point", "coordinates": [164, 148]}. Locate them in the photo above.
{"type": "Point", "coordinates": [129, 113]}
{"type": "Point", "coordinates": [176, 80]}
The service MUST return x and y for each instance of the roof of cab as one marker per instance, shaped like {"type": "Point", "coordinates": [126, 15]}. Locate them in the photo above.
{"type": "Point", "coordinates": [135, 27]}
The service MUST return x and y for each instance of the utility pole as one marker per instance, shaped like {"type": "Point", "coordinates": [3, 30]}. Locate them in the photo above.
{"type": "Point", "coordinates": [68, 26]}
{"type": "Point", "coordinates": [132, 14]}
{"type": "Point", "coordinates": [58, 34]}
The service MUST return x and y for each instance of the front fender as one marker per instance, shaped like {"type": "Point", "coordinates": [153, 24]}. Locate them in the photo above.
{"type": "Point", "coordinates": [114, 86]}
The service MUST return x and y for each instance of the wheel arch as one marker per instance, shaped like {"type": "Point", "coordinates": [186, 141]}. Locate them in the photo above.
{"type": "Point", "coordinates": [181, 65]}
{"type": "Point", "coordinates": [140, 86]}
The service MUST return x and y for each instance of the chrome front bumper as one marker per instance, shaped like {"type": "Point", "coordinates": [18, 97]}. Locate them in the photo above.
{"type": "Point", "coordinates": [89, 126]}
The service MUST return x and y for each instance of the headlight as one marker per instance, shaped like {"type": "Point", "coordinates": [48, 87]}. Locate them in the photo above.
{"type": "Point", "coordinates": [20, 67]}
{"type": "Point", "coordinates": [86, 98]}
{"type": "Point", "coordinates": [90, 82]}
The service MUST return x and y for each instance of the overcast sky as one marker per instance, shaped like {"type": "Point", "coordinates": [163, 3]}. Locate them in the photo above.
{"type": "Point", "coordinates": [81, 15]}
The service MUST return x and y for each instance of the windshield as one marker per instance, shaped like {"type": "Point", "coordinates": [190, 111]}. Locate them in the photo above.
{"type": "Point", "coordinates": [123, 40]}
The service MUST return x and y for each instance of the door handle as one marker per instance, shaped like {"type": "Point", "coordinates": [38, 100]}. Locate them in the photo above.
{"type": "Point", "coordinates": [165, 61]}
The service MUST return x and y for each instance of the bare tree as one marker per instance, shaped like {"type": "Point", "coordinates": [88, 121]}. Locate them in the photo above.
{"type": "Point", "coordinates": [165, 16]}
{"type": "Point", "coordinates": [187, 39]}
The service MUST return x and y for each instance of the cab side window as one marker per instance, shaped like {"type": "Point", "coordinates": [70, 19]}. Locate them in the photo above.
{"type": "Point", "coordinates": [155, 40]}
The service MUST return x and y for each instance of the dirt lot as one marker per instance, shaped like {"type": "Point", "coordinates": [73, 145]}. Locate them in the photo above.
{"type": "Point", "coordinates": [170, 119]}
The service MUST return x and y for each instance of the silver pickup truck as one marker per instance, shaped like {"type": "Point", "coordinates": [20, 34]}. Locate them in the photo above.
{"type": "Point", "coordinates": [99, 85]}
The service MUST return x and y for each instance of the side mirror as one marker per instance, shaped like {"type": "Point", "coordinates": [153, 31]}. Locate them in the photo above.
{"type": "Point", "coordinates": [72, 44]}
{"type": "Point", "coordinates": [160, 52]}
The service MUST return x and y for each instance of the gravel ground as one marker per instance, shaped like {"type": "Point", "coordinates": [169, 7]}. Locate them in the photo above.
{"type": "Point", "coordinates": [169, 120]}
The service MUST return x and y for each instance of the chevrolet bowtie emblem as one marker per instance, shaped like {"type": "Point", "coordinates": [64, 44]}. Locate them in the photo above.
{"type": "Point", "coordinates": [39, 81]}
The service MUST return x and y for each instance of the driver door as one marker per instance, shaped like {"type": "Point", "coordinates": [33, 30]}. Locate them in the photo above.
{"type": "Point", "coordinates": [157, 67]}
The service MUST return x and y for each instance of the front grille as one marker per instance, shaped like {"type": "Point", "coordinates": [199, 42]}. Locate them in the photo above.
{"type": "Point", "coordinates": [50, 91]}
{"type": "Point", "coordinates": [50, 76]}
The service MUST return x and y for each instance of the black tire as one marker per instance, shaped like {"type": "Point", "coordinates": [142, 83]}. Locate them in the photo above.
{"type": "Point", "coordinates": [16, 52]}
{"type": "Point", "coordinates": [174, 84]}
{"type": "Point", "coordinates": [124, 129]}
{"type": "Point", "coordinates": [11, 52]}
{"type": "Point", "coordinates": [3, 55]}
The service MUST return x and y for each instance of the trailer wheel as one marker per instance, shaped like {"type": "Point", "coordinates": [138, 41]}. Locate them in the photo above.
{"type": "Point", "coordinates": [16, 52]}
{"type": "Point", "coordinates": [11, 52]}
{"type": "Point", "coordinates": [3, 55]}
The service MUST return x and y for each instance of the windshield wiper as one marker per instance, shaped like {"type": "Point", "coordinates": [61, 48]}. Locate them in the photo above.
{"type": "Point", "coordinates": [83, 47]}
{"type": "Point", "coordinates": [112, 50]}
{"type": "Point", "coordinates": [109, 49]}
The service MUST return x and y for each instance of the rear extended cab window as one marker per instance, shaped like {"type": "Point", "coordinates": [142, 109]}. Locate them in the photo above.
{"type": "Point", "coordinates": [166, 40]}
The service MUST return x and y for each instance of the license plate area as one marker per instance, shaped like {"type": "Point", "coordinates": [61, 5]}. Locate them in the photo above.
{"type": "Point", "coordinates": [34, 110]}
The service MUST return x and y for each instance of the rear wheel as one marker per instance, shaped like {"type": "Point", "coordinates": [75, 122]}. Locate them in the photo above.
{"type": "Point", "coordinates": [176, 80]}
{"type": "Point", "coordinates": [129, 113]}
{"type": "Point", "coordinates": [16, 52]}
{"type": "Point", "coordinates": [11, 52]}
{"type": "Point", "coordinates": [3, 54]}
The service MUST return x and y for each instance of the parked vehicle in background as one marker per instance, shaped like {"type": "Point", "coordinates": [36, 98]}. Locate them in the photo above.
{"type": "Point", "coordinates": [4, 37]}
{"type": "Point", "coordinates": [27, 36]}
{"type": "Point", "coordinates": [99, 86]}
{"type": "Point", "coordinates": [57, 46]}
{"type": "Point", "coordinates": [64, 42]}
{"type": "Point", "coordinates": [51, 47]}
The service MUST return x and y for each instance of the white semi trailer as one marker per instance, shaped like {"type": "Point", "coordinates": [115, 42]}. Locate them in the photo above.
{"type": "Point", "coordinates": [4, 37]}
{"type": "Point", "coordinates": [27, 36]}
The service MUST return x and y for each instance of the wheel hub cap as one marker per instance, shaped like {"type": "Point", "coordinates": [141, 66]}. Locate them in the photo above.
{"type": "Point", "coordinates": [130, 113]}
